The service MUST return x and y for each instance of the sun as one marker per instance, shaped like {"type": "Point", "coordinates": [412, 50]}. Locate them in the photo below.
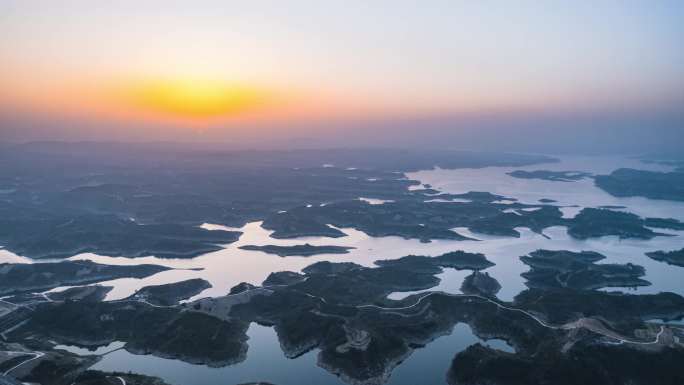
{"type": "Point", "coordinates": [196, 99]}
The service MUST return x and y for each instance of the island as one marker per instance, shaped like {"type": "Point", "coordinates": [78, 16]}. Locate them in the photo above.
{"type": "Point", "coordinates": [172, 293]}
{"type": "Point", "coordinates": [458, 260]}
{"type": "Point", "coordinates": [674, 257]}
{"type": "Point", "coordinates": [664, 223]}
{"type": "Point", "coordinates": [578, 270]}
{"type": "Point", "coordinates": [304, 250]}
{"type": "Point", "coordinates": [480, 283]}
{"type": "Point", "coordinates": [92, 293]}
{"type": "Point", "coordinates": [592, 222]}
{"type": "Point", "coordinates": [474, 196]}
{"type": "Point", "coordinates": [17, 278]}
{"type": "Point", "coordinates": [291, 225]}
{"type": "Point", "coordinates": [96, 377]}
{"type": "Point", "coordinates": [627, 182]}
{"type": "Point", "coordinates": [553, 176]}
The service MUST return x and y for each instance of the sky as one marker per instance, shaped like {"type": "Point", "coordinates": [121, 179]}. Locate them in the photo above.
{"type": "Point", "coordinates": [383, 72]}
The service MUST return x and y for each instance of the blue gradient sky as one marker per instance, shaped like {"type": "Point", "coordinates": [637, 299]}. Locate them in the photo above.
{"type": "Point", "coordinates": [337, 60]}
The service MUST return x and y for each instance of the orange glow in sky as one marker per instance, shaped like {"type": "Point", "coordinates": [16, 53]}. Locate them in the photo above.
{"type": "Point", "coordinates": [196, 99]}
{"type": "Point", "coordinates": [223, 66]}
